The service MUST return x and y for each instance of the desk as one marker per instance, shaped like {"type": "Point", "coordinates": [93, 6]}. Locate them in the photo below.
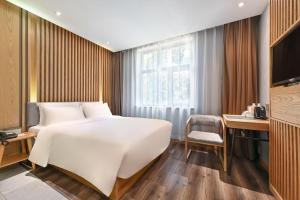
{"type": "Point", "coordinates": [240, 122]}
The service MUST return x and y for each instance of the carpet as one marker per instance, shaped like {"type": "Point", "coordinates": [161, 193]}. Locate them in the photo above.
{"type": "Point", "coordinates": [16, 183]}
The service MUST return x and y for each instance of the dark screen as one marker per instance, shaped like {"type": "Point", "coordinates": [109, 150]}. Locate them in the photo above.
{"type": "Point", "coordinates": [286, 59]}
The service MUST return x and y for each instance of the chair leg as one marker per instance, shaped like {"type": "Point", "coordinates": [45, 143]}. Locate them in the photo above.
{"type": "Point", "coordinates": [186, 150]}
{"type": "Point", "coordinates": [231, 151]}
{"type": "Point", "coordinates": [225, 156]}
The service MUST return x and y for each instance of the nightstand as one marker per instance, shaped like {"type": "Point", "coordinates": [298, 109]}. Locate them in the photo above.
{"type": "Point", "coordinates": [26, 140]}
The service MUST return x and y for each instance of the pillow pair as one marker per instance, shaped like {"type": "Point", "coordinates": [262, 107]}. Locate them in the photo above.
{"type": "Point", "coordinates": [51, 113]}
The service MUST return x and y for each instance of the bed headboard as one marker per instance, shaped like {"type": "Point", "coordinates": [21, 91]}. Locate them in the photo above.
{"type": "Point", "coordinates": [33, 116]}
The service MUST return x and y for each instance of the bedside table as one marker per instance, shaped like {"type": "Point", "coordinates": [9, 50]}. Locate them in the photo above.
{"type": "Point", "coordinates": [26, 140]}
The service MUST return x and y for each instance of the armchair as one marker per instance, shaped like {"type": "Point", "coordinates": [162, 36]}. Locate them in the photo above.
{"type": "Point", "coordinates": [216, 138]}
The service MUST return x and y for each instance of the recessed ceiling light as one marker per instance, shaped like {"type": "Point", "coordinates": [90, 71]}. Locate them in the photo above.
{"type": "Point", "coordinates": [58, 13]}
{"type": "Point", "coordinates": [107, 43]}
{"type": "Point", "coordinates": [241, 4]}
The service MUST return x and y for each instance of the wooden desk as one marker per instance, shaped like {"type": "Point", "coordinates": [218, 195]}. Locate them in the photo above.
{"type": "Point", "coordinates": [239, 122]}
{"type": "Point", "coordinates": [23, 138]}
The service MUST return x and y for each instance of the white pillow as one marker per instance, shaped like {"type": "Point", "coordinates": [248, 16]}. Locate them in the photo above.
{"type": "Point", "coordinates": [57, 114]}
{"type": "Point", "coordinates": [44, 105]}
{"type": "Point", "coordinates": [96, 109]}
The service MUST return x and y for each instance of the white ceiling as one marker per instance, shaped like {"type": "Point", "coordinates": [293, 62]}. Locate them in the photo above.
{"type": "Point", "coordinates": [124, 24]}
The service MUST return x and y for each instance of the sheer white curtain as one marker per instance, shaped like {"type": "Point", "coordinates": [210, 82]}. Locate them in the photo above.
{"type": "Point", "coordinates": [165, 73]}
{"type": "Point", "coordinates": [175, 78]}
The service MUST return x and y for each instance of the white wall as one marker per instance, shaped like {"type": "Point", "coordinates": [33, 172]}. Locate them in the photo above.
{"type": "Point", "coordinates": [263, 57]}
{"type": "Point", "coordinates": [263, 72]}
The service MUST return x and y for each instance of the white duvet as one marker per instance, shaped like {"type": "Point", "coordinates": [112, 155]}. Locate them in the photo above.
{"type": "Point", "coordinates": [100, 150]}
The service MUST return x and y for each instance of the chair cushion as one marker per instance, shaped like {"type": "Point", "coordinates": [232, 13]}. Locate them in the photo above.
{"type": "Point", "coordinates": [206, 137]}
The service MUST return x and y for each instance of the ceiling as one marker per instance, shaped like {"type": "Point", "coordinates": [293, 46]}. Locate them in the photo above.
{"type": "Point", "coordinates": [124, 24]}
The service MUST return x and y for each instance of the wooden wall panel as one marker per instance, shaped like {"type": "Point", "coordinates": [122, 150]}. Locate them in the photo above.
{"type": "Point", "coordinates": [33, 59]}
{"type": "Point", "coordinates": [66, 67]}
{"type": "Point", "coordinates": [40, 61]}
{"type": "Point", "coordinates": [285, 159]}
{"type": "Point", "coordinates": [285, 104]}
{"type": "Point", "coordinates": [285, 111]}
{"type": "Point", "coordinates": [283, 14]}
{"type": "Point", "coordinates": [10, 76]}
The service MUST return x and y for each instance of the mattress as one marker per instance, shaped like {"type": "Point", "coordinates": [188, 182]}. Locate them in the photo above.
{"type": "Point", "coordinates": [142, 149]}
{"type": "Point", "coordinates": [100, 150]}
{"type": "Point", "coordinates": [145, 149]}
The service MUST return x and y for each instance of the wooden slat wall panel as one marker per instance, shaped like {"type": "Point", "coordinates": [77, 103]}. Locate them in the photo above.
{"type": "Point", "coordinates": [10, 75]}
{"type": "Point", "coordinates": [23, 70]}
{"type": "Point", "coordinates": [285, 111]}
{"type": "Point", "coordinates": [68, 67]}
{"type": "Point", "coordinates": [40, 61]}
{"type": "Point", "coordinates": [283, 14]}
{"type": "Point", "coordinates": [44, 62]}
{"type": "Point", "coordinates": [285, 159]}
{"type": "Point", "coordinates": [33, 60]}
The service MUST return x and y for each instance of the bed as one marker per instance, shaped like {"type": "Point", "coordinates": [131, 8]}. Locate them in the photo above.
{"type": "Point", "coordinates": [108, 153]}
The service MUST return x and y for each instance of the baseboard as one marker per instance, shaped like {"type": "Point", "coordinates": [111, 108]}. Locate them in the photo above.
{"type": "Point", "coordinates": [274, 192]}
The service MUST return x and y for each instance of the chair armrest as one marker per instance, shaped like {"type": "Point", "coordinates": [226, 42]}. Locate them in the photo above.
{"type": "Point", "coordinates": [223, 128]}
{"type": "Point", "coordinates": [188, 126]}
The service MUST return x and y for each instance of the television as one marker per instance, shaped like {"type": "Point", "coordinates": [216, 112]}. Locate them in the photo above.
{"type": "Point", "coordinates": [286, 60]}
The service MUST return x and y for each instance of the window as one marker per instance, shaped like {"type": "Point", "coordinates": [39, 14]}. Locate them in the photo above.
{"type": "Point", "coordinates": [165, 73]}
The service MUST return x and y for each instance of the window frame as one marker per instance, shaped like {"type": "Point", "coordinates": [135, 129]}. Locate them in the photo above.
{"type": "Point", "coordinates": [170, 69]}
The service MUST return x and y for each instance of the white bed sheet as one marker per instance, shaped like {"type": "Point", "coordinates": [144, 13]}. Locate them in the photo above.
{"type": "Point", "coordinates": [134, 142]}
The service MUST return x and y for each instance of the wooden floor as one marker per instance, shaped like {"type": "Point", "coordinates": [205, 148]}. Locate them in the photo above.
{"type": "Point", "coordinates": [171, 178]}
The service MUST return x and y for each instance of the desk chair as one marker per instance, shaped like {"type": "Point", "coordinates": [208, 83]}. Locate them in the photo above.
{"type": "Point", "coordinates": [216, 136]}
